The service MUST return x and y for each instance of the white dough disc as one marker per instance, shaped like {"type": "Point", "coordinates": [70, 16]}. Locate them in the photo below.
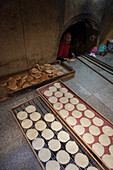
{"type": "Point", "coordinates": [49, 117]}
{"type": "Point", "coordinates": [22, 115]}
{"type": "Point", "coordinates": [48, 93]}
{"type": "Point", "coordinates": [108, 159]}
{"type": "Point", "coordinates": [63, 90]}
{"type": "Point", "coordinates": [62, 157]}
{"type": "Point", "coordinates": [40, 125]}
{"type": "Point", "coordinates": [53, 99]}
{"type": "Point", "coordinates": [74, 100]}
{"type": "Point", "coordinates": [71, 147]}
{"type": "Point", "coordinates": [98, 148]}
{"type": "Point", "coordinates": [38, 143]}
{"type": "Point", "coordinates": [52, 88]}
{"type": "Point", "coordinates": [31, 134]}
{"type": "Point", "coordinates": [71, 120]}
{"type": "Point", "coordinates": [26, 123]}
{"type": "Point", "coordinates": [88, 138]}
{"type": "Point", "coordinates": [44, 154]}
{"type": "Point", "coordinates": [107, 130]}
{"type": "Point", "coordinates": [64, 113]}
{"type": "Point", "coordinates": [111, 149]}
{"type": "Point", "coordinates": [56, 126]}
{"type": "Point", "coordinates": [85, 122]}
{"type": "Point", "coordinates": [58, 105]}
{"type": "Point", "coordinates": [92, 168]}
{"type": "Point", "coordinates": [69, 106]}
{"type": "Point", "coordinates": [30, 109]}
{"type": "Point", "coordinates": [81, 107]}
{"type": "Point", "coordinates": [104, 140]}
{"type": "Point", "coordinates": [58, 94]}
{"type": "Point", "coordinates": [68, 95]}
{"type": "Point", "coordinates": [54, 145]}
{"type": "Point", "coordinates": [79, 129]}
{"type": "Point", "coordinates": [52, 164]}
{"type": "Point", "coordinates": [63, 100]}
{"type": "Point", "coordinates": [57, 85]}
{"type": "Point", "coordinates": [97, 121]}
{"type": "Point", "coordinates": [94, 130]}
{"type": "Point", "coordinates": [47, 134]}
{"type": "Point", "coordinates": [89, 114]}
{"type": "Point", "coordinates": [81, 160]}
{"type": "Point", "coordinates": [71, 167]}
{"type": "Point", "coordinates": [76, 114]}
{"type": "Point", "coordinates": [35, 116]}
{"type": "Point", "coordinates": [63, 136]}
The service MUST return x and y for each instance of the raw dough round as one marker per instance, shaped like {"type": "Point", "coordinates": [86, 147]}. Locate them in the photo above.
{"type": "Point", "coordinates": [48, 93]}
{"type": "Point", "coordinates": [40, 125]}
{"type": "Point", "coordinates": [89, 114]}
{"type": "Point", "coordinates": [63, 136]}
{"type": "Point", "coordinates": [31, 134]}
{"type": "Point", "coordinates": [52, 88]}
{"type": "Point", "coordinates": [71, 147]}
{"type": "Point", "coordinates": [98, 148]}
{"type": "Point", "coordinates": [81, 160]}
{"type": "Point", "coordinates": [56, 126]}
{"type": "Point", "coordinates": [108, 159]}
{"type": "Point", "coordinates": [68, 95]}
{"type": "Point", "coordinates": [54, 145]}
{"type": "Point", "coordinates": [30, 109]}
{"type": "Point", "coordinates": [35, 116]}
{"type": "Point", "coordinates": [64, 113]}
{"type": "Point", "coordinates": [58, 94]}
{"type": "Point", "coordinates": [74, 100]}
{"type": "Point", "coordinates": [79, 129]}
{"type": "Point", "coordinates": [26, 123]}
{"type": "Point", "coordinates": [94, 130]}
{"type": "Point", "coordinates": [44, 154]}
{"type": "Point", "coordinates": [104, 140]}
{"type": "Point", "coordinates": [69, 106]}
{"type": "Point", "coordinates": [57, 85]}
{"type": "Point", "coordinates": [63, 90]}
{"type": "Point", "coordinates": [53, 99]}
{"type": "Point", "coordinates": [52, 164]}
{"type": "Point", "coordinates": [85, 122]}
{"type": "Point", "coordinates": [107, 130]}
{"type": "Point", "coordinates": [92, 168]}
{"type": "Point", "coordinates": [38, 143]}
{"type": "Point", "coordinates": [71, 120]}
{"type": "Point", "coordinates": [97, 121]}
{"type": "Point", "coordinates": [81, 107]}
{"type": "Point", "coordinates": [47, 134]}
{"type": "Point", "coordinates": [62, 157]}
{"type": "Point", "coordinates": [22, 115]}
{"type": "Point", "coordinates": [58, 106]}
{"type": "Point", "coordinates": [77, 114]}
{"type": "Point", "coordinates": [88, 138]}
{"type": "Point", "coordinates": [63, 100]}
{"type": "Point", "coordinates": [71, 167]}
{"type": "Point", "coordinates": [49, 117]}
{"type": "Point", "coordinates": [111, 149]}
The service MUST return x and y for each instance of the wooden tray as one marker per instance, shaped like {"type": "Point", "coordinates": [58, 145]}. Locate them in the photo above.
{"type": "Point", "coordinates": [43, 108]}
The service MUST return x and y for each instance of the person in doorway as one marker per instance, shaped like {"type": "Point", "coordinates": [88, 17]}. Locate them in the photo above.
{"type": "Point", "coordinates": [64, 52]}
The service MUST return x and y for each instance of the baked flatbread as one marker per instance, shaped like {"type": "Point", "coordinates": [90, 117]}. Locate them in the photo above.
{"type": "Point", "coordinates": [63, 100]}
{"type": "Point", "coordinates": [94, 130]}
{"type": "Point", "coordinates": [63, 90]}
{"type": "Point", "coordinates": [58, 106]}
{"type": "Point", "coordinates": [71, 147]}
{"type": "Point", "coordinates": [88, 138]}
{"type": "Point", "coordinates": [69, 106]}
{"type": "Point", "coordinates": [52, 164]}
{"type": "Point", "coordinates": [98, 148]}
{"type": "Point", "coordinates": [54, 145]}
{"type": "Point", "coordinates": [108, 159]}
{"type": "Point", "coordinates": [56, 126]}
{"type": "Point", "coordinates": [57, 85]}
{"type": "Point", "coordinates": [74, 100]}
{"type": "Point", "coordinates": [107, 130]}
{"type": "Point", "coordinates": [35, 116]}
{"type": "Point", "coordinates": [111, 149]}
{"type": "Point", "coordinates": [92, 168]}
{"type": "Point", "coordinates": [48, 93]}
{"type": "Point", "coordinates": [52, 88]}
{"type": "Point", "coordinates": [47, 134]}
{"type": "Point", "coordinates": [38, 143]}
{"type": "Point", "coordinates": [104, 140]}
{"type": "Point", "coordinates": [22, 115]}
{"type": "Point", "coordinates": [97, 121]}
{"type": "Point", "coordinates": [44, 154]}
{"type": "Point", "coordinates": [64, 113]}
{"type": "Point", "coordinates": [31, 134]}
{"type": "Point", "coordinates": [77, 114]}
{"type": "Point", "coordinates": [85, 122]}
{"type": "Point", "coordinates": [49, 117]}
{"type": "Point", "coordinates": [63, 136]}
{"type": "Point", "coordinates": [30, 109]}
{"type": "Point", "coordinates": [53, 99]}
{"type": "Point", "coordinates": [81, 160]}
{"type": "Point", "coordinates": [58, 94]}
{"type": "Point", "coordinates": [68, 95]}
{"type": "Point", "coordinates": [40, 125]}
{"type": "Point", "coordinates": [81, 107]}
{"type": "Point", "coordinates": [79, 129]}
{"type": "Point", "coordinates": [26, 123]}
{"type": "Point", "coordinates": [71, 167]}
{"type": "Point", "coordinates": [71, 120]}
{"type": "Point", "coordinates": [62, 157]}
{"type": "Point", "coordinates": [89, 114]}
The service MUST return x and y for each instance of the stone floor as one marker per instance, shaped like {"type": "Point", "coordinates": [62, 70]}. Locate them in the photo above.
{"type": "Point", "coordinates": [15, 152]}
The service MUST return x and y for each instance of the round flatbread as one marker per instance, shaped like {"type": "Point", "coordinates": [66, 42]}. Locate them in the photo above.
{"type": "Point", "coordinates": [26, 123]}
{"type": "Point", "coordinates": [68, 95]}
{"type": "Point", "coordinates": [104, 140]}
{"type": "Point", "coordinates": [69, 106]}
{"type": "Point", "coordinates": [89, 114]}
{"type": "Point", "coordinates": [52, 164]}
{"type": "Point", "coordinates": [79, 129]}
{"type": "Point", "coordinates": [98, 148]}
{"type": "Point", "coordinates": [111, 149]}
{"type": "Point", "coordinates": [72, 147]}
{"type": "Point", "coordinates": [35, 116]}
{"type": "Point", "coordinates": [63, 90]}
{"type": "Point", "coordinates": [108, 159]}
{"type": "Point", "coordinates": [31, 134]}
{"type": "Point", "coordinates": [72, 167]}
{"type": "Point", "coordinates": [53, 99]}
{"type": "Point", "coordinates": [57, 85]}
{"type": "Point", "coordinates": [63, 136]}
{"type": "Point", "coordinates": [40, 125]}
{"type": "Point", "coordinates": [94, 130]}
{"type": "Point", "coordinates": [81, 107]}
{"type": "Point", "coordinates": [63, 100]}
{"type": "Point", "coordinates": [30, 109]}
{"type": "Point", "coordinates": [44, 154]}
{"type": "Point", "coordinates": [38, 143]}
{"type": "Point", "coordinates": [47, 134]}
{"type": "Point", "coordinates": [52, 88]}
{"type": "Point", "coordinates": [62, 157]}
{"type": "Point", "coordinates": [74, 100]}
{"type": "Point", "coordinates": [88, 138]}
{"type": "Point", "coordinates": [58, 94]}
{"type": "Point", "coordinates": [81, 160]}
{"type": "Point", "coordinates": [64, 113]}
{"type": "Point", "coordinates": [48, 93]}
{"type": "Point", "coordinates": [107, 130]}
{"type": "Point", "coordinates": [56, 126]}
{"type": "Point", "coordinates": [71, 120]}
{"type": "Point", "coordinates": [77, 114]}
{"type": "Point", "coordinates": [22, 115]}
{"type": "Point", "coordinates": [58, 106]}
{"type": "Point", "coordinates": [54, 145]}
{"type": "Point", "coordinates": [92, 168]}
{"type": "Point", "coordinates": [85, 122]}
{"type": "Point", "coordinates": [49, 117]}
{"type": "Point", "coordinates": [97, 121]}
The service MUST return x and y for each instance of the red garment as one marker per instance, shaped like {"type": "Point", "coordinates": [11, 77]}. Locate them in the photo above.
{"type": "Point", "coordinates": [63, 49]}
